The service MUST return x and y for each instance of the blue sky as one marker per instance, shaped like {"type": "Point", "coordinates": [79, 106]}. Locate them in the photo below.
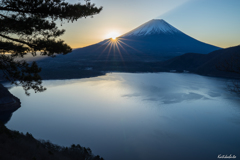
{"type": "Point", "coordinates": [216, 22]}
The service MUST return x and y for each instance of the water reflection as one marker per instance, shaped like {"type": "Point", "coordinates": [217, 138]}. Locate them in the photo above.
{"type": "Point", "coordinates": [173, 91]}
{"type": "Point", "coordinates": [135, 116]}
{"type": "Point", "coordinates": [170, 98]}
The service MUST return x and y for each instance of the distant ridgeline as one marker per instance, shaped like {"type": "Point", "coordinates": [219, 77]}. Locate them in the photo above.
{"type": "Point", "coordinates": [213, 64]}
{"type": "Point", "coordinates": [155, 46]}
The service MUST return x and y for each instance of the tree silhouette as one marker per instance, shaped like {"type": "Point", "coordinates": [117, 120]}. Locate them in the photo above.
{"type": "Point", "coordinates": [29, 26]}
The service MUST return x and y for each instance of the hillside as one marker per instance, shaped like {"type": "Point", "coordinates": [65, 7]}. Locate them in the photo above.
{"type": "Point", "coordinates": [19, 146]}
{"type": "Point", "coordinates": [205, 64]}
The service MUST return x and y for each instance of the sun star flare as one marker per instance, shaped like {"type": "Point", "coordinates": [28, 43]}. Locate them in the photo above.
{"type": "Point", "coordinates": [112, 35]}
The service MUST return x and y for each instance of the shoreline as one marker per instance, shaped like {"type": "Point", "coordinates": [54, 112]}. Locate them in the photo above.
{"type": "Point", "coordinates": [103, 73]}
{"type": "Point", "coordinates": [8, 102]}
{"type": "Point", "coordinates": [15, 145]}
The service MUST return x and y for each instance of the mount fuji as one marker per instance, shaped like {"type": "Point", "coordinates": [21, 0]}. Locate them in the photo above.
{"type": "Point", "coordinates": [155, 46]}
{"type": "Point", "coordinates": [153, 27]}
{"type": "Point", "coordinates": [154, 40]}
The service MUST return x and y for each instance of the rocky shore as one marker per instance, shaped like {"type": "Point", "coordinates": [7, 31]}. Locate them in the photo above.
{"type": "Point", "coordinates": [8, 102]}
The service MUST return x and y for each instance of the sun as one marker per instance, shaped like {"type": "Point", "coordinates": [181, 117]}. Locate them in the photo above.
{"type": "Point", "coordinates": [112, 35]}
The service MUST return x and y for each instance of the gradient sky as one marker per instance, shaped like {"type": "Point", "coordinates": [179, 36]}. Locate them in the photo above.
{"type": "Point", "coordinates": [216, 22]}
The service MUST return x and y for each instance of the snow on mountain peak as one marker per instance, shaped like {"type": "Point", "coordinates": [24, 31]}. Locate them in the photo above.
{"type": "Point", "coordinates": [155, 26]}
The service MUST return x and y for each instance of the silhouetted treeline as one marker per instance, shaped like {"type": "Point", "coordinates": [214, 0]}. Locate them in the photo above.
{"type": "Point", "coordinates": [15, 146]}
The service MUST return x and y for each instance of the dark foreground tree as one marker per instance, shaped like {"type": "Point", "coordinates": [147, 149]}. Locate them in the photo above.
{"type": "Point", "coordinates": [29, 26]}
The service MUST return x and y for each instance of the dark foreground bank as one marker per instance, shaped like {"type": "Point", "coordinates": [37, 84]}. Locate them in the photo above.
{"type": "Point", "coordinates": [8, 102]}
{"type": "Point", "coordinates": [16, 146]}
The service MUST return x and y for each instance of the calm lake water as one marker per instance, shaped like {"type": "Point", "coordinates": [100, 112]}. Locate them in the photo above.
{"type": "Point", "coordinates": [123, 116]}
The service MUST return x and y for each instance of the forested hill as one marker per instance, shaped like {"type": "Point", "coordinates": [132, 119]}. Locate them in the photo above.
{"type": "Point", "coordinates": [61, 67]}
{"type": "Point", "coordinates": [208, 64]}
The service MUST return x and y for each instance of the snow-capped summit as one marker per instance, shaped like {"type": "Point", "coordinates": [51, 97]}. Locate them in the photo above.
{"type": "Point", "coordinates": [155, 26]}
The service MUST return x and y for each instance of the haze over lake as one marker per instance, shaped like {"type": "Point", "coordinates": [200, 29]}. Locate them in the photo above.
{"type": "Point", "coordinates": [140, 116]}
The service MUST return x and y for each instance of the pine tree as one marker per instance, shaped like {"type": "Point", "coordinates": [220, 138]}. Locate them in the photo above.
{"type": "Point", "coordinates": [29, 26]}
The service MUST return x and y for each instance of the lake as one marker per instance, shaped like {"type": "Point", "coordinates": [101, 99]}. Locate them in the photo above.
{"type": "Point", "coordinates": [135, 116]}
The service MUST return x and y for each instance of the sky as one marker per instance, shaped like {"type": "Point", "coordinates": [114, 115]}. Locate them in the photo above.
{"type": "Point", "coordinates": [216, 22]}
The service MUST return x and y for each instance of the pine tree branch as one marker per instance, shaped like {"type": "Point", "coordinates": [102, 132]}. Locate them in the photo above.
{"type": "Point", "coordinates": [62, 12]}
{"type": "Point", "coordinates": [29, 26]}
{"type": "Point", "coordinates": [17, 40]}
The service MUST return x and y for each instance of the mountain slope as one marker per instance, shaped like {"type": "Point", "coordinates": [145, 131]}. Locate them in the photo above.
{"type": "Point", "coordinates": [219, 58]}
{"type": "Point", "coordinates": [154, 40]}
{"type": "Point", "coordinates": [205, 64]}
